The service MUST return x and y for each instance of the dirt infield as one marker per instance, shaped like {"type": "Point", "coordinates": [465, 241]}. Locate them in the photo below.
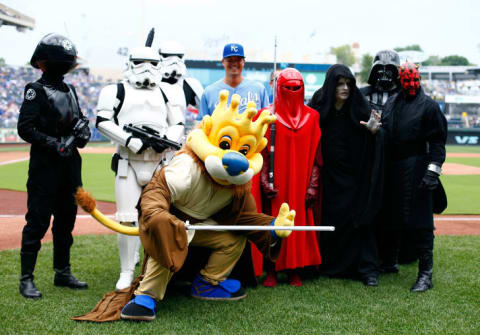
{"type": "Point", "coordinates": [465, 155]}
{"type": "Point", "coordinates": [459, 169]}
{"type": "Point", "coordinates": [13, 209]}
{"type": "Point", "coordinates": [13, 206]}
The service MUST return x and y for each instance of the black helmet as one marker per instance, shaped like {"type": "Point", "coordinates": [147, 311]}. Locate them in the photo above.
{"type": "Point", "coordinates": [55, 48]}
{"type": "Point", "coordinates": [388, 59]}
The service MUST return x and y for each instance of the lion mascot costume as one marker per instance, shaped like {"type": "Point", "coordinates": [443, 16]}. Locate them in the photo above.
{"type": "Point", "coordinates": [207, 183]}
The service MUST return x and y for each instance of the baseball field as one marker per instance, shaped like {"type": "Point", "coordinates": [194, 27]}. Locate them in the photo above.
{"type": "Point", "coordinates": [320, 306]}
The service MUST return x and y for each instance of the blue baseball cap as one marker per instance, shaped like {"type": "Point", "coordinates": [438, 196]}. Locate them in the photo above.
{"type": "Point", "coordinates": [233, 49]}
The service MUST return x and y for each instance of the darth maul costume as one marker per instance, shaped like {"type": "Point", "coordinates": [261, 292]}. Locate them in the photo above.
{"type": "Point", "coordinates": [417, 132]}
{"type": "Point", "coordinates": [352, 178]}
{"type": "Point", "coordinates": [50, 119]}
{"type": "Point", "coordinates": [297, 141]}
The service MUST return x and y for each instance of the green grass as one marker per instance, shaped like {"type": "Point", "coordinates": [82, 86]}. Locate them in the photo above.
{"type": "Point", "coordinates": [462, 193]}
{"type": "Point", "coordinates": [97, 177]}
{"type": "Point", "coordinates": [472, 161]}
{"type": "Point", "coordinates": [474, 149]}
{"type": "Point", "coordinates": [321, 306]}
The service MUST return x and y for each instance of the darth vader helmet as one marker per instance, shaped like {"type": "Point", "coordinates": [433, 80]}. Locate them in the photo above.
{"type": "Point", "coordinates": [384, 72]}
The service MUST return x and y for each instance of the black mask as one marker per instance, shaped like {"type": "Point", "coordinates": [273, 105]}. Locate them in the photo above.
{"type": "Point", "coordinates": [385, 81]}
{"type": "Point", "coordinates": [57, 69]}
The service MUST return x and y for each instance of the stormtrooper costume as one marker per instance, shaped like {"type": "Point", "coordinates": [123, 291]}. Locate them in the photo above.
{"type": "Point", "coordinates": [181, 91]}
{"type": "Point", "coordinates": [137, 100]}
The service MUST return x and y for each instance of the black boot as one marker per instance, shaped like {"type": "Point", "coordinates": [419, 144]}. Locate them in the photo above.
{"type": "Point", "coordinates": [64, 277]}
{"type": "Point", "coordinates": [425, 271]}
{"type": "Point", "coordinates": [27, 286]}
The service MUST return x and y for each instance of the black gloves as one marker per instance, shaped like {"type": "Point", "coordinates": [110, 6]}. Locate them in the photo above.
{"type": "Point", "coordinates": [430, 180]}
{"type": "Point", "coordinates": [82, 136]}
{"type": "Point", "coordinates": [57, 146]}
{"type": "Point", "coordinates": [82, 133]}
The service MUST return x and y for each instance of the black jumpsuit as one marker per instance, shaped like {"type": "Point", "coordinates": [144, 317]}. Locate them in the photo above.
{"type": "Point", "coordinates": [47, 113]}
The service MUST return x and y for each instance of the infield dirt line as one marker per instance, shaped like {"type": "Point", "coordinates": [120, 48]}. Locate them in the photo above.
{"type": "Point", "coordinates": [15, 161]}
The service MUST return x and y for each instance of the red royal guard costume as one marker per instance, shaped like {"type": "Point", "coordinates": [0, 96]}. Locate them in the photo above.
{"type": "Point", "coordinates": [296, 172]}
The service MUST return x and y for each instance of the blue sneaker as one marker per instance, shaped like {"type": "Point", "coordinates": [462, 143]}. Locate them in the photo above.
{"type": "Point", "coordinates": [229, 289]}
{"type": "Point", "coordinates": [140, 308]}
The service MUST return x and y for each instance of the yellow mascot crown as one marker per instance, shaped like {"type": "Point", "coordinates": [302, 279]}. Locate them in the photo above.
{"type": "Point", "coordinates": [231, 140]}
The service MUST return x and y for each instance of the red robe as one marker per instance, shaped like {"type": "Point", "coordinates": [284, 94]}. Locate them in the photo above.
{"type": "Point", "coordinates": [257, 256]}
{"type": "Point", "coordinates": [295, 149]}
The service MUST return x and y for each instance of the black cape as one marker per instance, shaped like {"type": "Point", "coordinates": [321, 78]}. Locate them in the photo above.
{"type": "Point", "coordinates": [352, 177]}
{"type": "Point", "coordinates": [417, 132]}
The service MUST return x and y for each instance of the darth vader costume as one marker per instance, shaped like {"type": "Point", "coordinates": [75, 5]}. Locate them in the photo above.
{"type": "Point", "coordinates": [50, 119]}
{"type": "Point", "coordinates": [416, 131]}
{"type": "Point", "coordinates": [383, 80]}
{"type": "Point", "coordinates": [352, 178]}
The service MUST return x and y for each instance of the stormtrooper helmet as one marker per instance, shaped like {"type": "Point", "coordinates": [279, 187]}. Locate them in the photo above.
{"type": "Point", "coordinates": [171, 55]}
{"type": "Point", "coordinates": [143, 68]}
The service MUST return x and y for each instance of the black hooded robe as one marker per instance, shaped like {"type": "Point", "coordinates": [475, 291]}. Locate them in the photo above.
{"type": "Point", "coordinates": [417, 133]}
{"type": "Point", "coordinates": [352, 180]}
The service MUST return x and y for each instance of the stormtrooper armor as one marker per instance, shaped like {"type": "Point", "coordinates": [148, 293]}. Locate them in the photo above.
{"type": "Point", "coordinates": [181, 91]}
{"type": "Point", "coordinates": [141, 104]}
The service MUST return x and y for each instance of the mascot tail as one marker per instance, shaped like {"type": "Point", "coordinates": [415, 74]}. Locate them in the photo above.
{"type": "Point", "coordinates": [88, 204]}
{"type": "Point", "coordinates": [110, 306]}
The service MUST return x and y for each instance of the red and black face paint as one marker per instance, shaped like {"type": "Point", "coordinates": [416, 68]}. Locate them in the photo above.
{"type": "Point", "coordinates": [409, 78]}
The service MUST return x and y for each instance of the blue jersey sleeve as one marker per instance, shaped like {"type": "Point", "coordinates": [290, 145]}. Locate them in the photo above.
{"type": "Point", "coordinates": [265, 99]}
{"type": "Point", "coordinates": [203, 107]}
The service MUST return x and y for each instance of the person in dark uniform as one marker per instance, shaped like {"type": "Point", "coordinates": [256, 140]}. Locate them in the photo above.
{"type": "Point", "coordinates": [384, 82]}
{"type": "Point", "coordinates": [417, 132]}
{"type": "Point", "coordinates": [352, 177]}
{"type": "Point", "coordinates": [50, 119]}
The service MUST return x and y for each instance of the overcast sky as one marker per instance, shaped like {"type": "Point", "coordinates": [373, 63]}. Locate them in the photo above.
{"type": "Point", "coordinates": [304, 27]}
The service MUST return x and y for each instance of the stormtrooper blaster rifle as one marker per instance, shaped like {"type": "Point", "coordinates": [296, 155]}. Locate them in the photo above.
{"type": "Point", "coordinates": [88, 204]}
{"type": "Point", "coordinates": [149, 135]}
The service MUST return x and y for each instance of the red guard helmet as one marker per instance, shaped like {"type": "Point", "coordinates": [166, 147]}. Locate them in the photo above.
{"type": "Point", "coordinates": [290, 95]}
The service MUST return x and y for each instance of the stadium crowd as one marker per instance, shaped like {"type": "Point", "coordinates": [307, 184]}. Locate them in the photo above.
{"type": "Point", "coordinates": [13, 80]}
{"type": "Point", "coordinates": [440, 88]}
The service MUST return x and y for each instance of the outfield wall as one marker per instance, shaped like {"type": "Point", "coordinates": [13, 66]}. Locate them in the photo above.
{"type": "Point", "coordinates": [459, 136]}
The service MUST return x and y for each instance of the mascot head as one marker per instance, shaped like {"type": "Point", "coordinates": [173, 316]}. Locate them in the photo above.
{"type": "Point", "coordinates": [230, 143]}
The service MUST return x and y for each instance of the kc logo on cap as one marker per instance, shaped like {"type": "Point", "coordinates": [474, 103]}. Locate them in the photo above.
{"type": "Point", "coordinates": [233, 49]}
